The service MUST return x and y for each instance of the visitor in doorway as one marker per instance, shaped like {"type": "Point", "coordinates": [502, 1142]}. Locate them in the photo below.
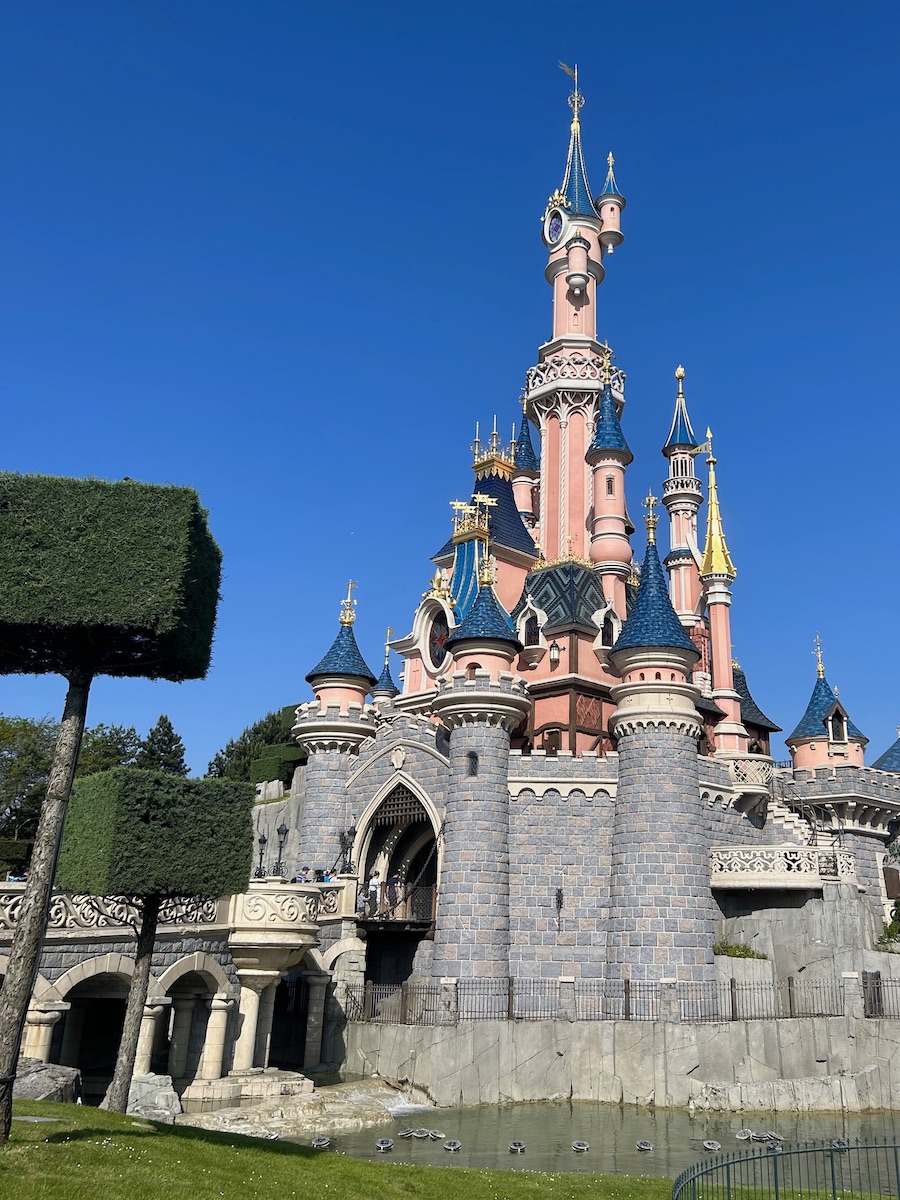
{"type": "Point", "coordinates": [374, 893]}
{"type": "Point", "coordinates": [393, 892]}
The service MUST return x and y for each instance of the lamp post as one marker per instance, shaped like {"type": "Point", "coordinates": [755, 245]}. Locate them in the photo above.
{"type": "Point", "coordinates": [282, 832]}
{"type": "Point", "coordinates": [346, 838]}
{"type": "Point", "coordinates": [260, 872]}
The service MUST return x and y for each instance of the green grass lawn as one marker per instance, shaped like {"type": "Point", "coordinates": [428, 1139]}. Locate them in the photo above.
{"type": "Point", "coordinates": [94, 1155]}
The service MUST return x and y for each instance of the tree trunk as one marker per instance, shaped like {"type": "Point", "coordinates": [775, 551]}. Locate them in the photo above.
{"type": "Point", "coordinates": [116, 1098]}
{"type": "Point", "coordinates": [32, 923]}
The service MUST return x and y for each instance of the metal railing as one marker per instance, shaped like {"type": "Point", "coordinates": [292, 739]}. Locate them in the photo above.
{"type": "Point", "coordinates": [816, 1169]}
{"type": "Point", "coordinates": [598, 1000]}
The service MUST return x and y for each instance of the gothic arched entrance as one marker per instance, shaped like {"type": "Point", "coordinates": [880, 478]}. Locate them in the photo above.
{"type": "Point", "coordinates": [398, 878]}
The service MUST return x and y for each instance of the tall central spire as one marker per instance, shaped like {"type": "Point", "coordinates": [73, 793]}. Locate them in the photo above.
{"type": "Point", "coordinates": [575, 190]}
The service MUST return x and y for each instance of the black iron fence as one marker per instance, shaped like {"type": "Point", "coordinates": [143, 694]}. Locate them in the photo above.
{"type": "Point", "coordinates": [605, 1000]}
{"type": "Point", "coordinates": [816, 1169]}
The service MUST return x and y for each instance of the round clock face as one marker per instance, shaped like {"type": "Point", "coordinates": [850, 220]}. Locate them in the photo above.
{"type": "Point", "coordinates": [437, 639]}
{"type": "Point", "coordinates": [554, 227]}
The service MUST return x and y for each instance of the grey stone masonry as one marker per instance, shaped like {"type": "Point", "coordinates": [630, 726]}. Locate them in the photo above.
{"type": "Point", "coordinates": [662, 916]}
{"type": "Point", "coordinates": [472, 926]}
{"type": "Point", "coordinates": [332, 740]}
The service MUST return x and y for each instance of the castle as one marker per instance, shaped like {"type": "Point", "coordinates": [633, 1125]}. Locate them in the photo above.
{"type": "Point", "coordinates": [534, 844]}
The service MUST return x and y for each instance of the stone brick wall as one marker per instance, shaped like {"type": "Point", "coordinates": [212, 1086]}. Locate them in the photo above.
{"type": "Point", "coordinates": [58, 957]}
{"type": "Point", "coordinates": [326, 809]}
{"type": "Point", "coordinates": [472, 929]}
{"type": "Point", "coordinates": [559, 842]}
{"type": "Point", "coordinates": [662, 915]}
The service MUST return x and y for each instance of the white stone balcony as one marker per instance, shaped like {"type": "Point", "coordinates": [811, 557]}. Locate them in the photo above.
{"type": "Point", "coordinates": [751, 773]}
{"type": "Point", "coordinates": [779, 867]}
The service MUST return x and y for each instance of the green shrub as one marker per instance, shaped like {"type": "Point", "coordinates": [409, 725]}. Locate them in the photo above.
{"type": "Point", "coordinates": [109, 578]}
{"type": "Point", "coordinates": [15, 852]}
{"type": "Point", "coordinates": [278, 762]}
{"type": "Point", "coordinates": [736, 950]}
{"type": "Point", "coordinates": [140, 833]}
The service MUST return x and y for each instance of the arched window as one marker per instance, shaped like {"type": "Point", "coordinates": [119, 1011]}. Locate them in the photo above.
{"type": "Point", "coordinates": [838, 727]}
{"type": "Point", "coordinates": [607, 633]}
{"type": "Point", "coordinates": [473, 762]}
{"type": "Point", "coordinates": [532, 631]}
{"type": "Point", "coordinates": [610, 485]}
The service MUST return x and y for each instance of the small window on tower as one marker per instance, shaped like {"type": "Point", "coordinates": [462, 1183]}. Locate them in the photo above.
{"type": "Point", "coordinates": [606, 634]}
{"type": "Point", "coordinates": [532, 631]}
{"type": "Point", "coordinates": [610, 486]}
{"type": "Point", "coordinates": [838, 727]}
{"type": "Point", "coordinates": [473, 764]}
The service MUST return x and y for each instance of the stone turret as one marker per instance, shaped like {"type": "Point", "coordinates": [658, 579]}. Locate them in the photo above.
{"type": "Point", "coordinates": [331, 729]}
{"type": "Point", "coordinates": [661, 914]}
{"type": "Point", "coordinates": [481, 703]}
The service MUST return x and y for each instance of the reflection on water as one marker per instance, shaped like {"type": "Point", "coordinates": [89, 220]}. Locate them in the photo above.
{"type": "Point", "coordinates": [548, 1131]}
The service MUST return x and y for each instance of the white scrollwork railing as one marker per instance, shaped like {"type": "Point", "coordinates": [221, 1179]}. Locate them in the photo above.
{"type": "Point", "coordinates": [780, 866]}
{"type": "Point", "coordinates": [683, 483]}
{"type": "Point", "coordinates": [757, 771]}
{"type": "Point", "coordinates": [572, 366]}
{"type": "Point", "coordinates": [104, 912]}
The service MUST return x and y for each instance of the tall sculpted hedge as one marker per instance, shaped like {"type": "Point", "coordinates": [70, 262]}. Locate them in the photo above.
{"type": "Point", "coordinates": [96, 578]}
{"type": "Point", "coordinates": [150, 836]}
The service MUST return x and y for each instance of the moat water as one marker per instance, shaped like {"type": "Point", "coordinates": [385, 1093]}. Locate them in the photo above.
{"type": "Point", "coordinates": [548, 1131]}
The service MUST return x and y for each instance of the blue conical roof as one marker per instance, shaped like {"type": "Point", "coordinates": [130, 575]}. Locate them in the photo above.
{"type": "Point", "coordinates": [890, 760]}
{"type": "Point", "coordinates": [608, 433]}
{"type": "Point", "coordinates": [343, 658]}
{"type": "Point", "coordinates": [681, 433]}
{"type": "Point", "coordinates": [575, 186]}
{"type": "Point", "coordinates": [821, 702]}
{"type": "Point", "coordinates": [653, 621]}
{"type": "Point", "coordinates": [486, 620]}
{"type": "Point", "coordinates": [526, 459]}
{"type": "Point", "coordinates": [385, 685]}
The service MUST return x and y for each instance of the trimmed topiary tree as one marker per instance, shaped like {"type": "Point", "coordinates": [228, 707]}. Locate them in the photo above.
{"type": "Point", "coordinates": [151, 836]}
{"type": "Point", "coordinates": [98, 578]}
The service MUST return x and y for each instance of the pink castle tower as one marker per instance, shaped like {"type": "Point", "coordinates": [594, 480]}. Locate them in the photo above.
{"type": "Point", "coordinates": [564, 388]}
{"type": "Point", "coordinates": [682, 496]}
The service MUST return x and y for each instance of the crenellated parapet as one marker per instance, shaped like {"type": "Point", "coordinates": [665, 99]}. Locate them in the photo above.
{"type": "Point", "coordinates": [333, 728]}
{"type": "Point", "coordinates": [476, 698]}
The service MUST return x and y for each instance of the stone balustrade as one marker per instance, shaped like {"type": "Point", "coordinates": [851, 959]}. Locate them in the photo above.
{"type": "Point", "coordinates": [779, 867]}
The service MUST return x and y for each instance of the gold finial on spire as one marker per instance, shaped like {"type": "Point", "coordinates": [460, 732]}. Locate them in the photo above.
{"type": "Point", "coordinates": [348, 604]}
{"type": "Point", "coordinates": [576, 100]}
{"type": "Point", "coordinates": [608, 356]}
{"type": "Point", "coordinates": [486, 570]}
{"type": "Point", "coordinates": [679, 375]}
{"type": "Point", "coordinates": [716, 559]}
{"type": "Point", "coordinates": [651, 520]}
{"type": "Point", "coordinates": [820, 665]}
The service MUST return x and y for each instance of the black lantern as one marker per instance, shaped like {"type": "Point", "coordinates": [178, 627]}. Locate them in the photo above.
{"type": "Point", "coordinates": [282, 832]}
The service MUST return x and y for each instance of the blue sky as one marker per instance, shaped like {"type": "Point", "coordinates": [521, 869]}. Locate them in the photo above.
{"type": "Point", "coordinates": [289, 254]}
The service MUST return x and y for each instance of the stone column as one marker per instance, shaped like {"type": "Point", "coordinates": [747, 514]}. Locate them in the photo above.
{"type": "Point", "coordinates": [39, 1023]}
{"type": "Point", "coordinates": [214, 1045]}
{"type": "Point", "coordinates": [179, 1043]}
{"type": "Point", "coordinates": [147, 1036]}
{"type": "Point", "coordinates": [71, 1043]}
{"type": "Point", "coordinates": [315, 1021]}
{"type": "Point", "coordinates": [252, 984]}
{"type": "Point", "coordinates": [264, 1023]}
{"type": "Point", "coordinates": [472, 927]}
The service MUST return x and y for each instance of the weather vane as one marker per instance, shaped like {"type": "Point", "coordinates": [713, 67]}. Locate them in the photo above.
{"type": "Point", "coordinates": [820, 665]}
{"type": "Point", "coordinates": [348, 616]}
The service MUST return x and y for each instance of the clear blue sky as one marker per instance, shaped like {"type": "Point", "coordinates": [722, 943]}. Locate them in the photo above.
{"type": "Point", "coordinates": [288, 253]}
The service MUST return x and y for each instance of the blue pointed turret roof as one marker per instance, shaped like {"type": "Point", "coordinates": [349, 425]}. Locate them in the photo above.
{"type": "Point", "coordinates": [505, 525]}
{"type": "Point", "coordinates": [681, 433]}
{"type": "Point", "coordinates": [653, 621]}
{"type": "Point", "coordinates": [890, 760]}
{"type": "Point", "coordinates": [343, 658]}
{"type": "Point", "coordinates": [575, 186]}
{"type": "Point", "coordinates": [384, 685]}
{"type": "Point", "coordinates": [821, 702]}
{"type": "Point", "coordinates": [608, 433]}
{"type": "Point", "coordinates": [610, 187]}
{"type": "Point", "coordinates": [486, 620]}
{"type": "Point", "coordinates": [526, 459]}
